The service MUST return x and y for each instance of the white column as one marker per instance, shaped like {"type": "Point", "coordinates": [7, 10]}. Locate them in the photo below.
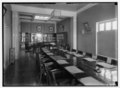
{"type": "Point", "coordinates": [15, 33]}
{"type": "Point", "coordinates": [96, 38]}
{"type": "Point", "coordinates": [75, 31]}
{"type": "Point", "coordinates": [116, 35]}
{"type": "Point", "coordinates": [55, 27]}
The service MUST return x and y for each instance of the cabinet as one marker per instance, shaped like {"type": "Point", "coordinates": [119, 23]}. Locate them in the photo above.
{"type": "Point", "coordinates": [49, 38]}
{"type": "Point", "coordinates": [61, 38]}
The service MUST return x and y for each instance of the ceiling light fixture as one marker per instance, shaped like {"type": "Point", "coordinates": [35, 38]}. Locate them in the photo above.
{"type": "Point", "coordinates": [41, 17]}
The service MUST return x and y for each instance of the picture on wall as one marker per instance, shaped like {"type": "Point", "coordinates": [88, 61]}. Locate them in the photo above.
{"type": "Point", "coordinates": [86, 27]}
{"type": "Point", "coordinates": [51, 28]}
{"type": "Point", "coordinates": [39, 28]}
{"type": "Point", "coordinates": [62, 27]}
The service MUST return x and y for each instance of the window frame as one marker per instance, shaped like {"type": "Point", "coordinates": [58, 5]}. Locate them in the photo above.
{"type": "Point", "coordinates": [105, 22]}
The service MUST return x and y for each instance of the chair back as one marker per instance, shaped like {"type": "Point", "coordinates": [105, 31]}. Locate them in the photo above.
{"type": "Point", "coordinates": [102, 58]}
{"type": "Point", "coordinates": [80, 52]}
{"type": "Point", "coordinates": [114, 62]}
{"type": "Point", "coordinates": [51, 80]}
{"type": "Point", "coordinates": [88, 55]}
{"type": "Point", "coordinates": [73, 50]}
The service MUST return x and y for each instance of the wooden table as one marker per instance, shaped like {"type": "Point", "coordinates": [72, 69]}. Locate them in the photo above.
{"type": "Point", "coordinates": [91, 81]}
{"type": "Point", "coordinates": [77, 73]}
{"type": "Point", "coordinates": [62, 62]}
{"type": "Point", "coordinates": [49, 54]}
{"type": "Point", "coordinates": [57, 57]}
{"type": "Point", "coordinates": [89, 59]}
{"type": "Point", "coordinates": [73, 69]}
{"type": "Point", "coordinates": [105, 65]}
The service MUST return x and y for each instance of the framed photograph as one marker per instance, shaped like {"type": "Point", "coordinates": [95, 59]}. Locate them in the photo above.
{"type": "Point", "coordinates": [39, 28]}
{"type": "Point", "coordinates": [51, 28]}
{"type": "Point", "coordinates": [62, 27]}
{"type": "Point", "coordinates": [86, 27]}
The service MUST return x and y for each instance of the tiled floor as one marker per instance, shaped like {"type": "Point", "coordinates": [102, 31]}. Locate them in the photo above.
{"type": "Point", "coordinates": [24, 72]}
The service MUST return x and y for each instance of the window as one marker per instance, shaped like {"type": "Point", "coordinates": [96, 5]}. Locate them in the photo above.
{"type": "Point", "coordinates": [114, 25]}
{"type": "Point", "coordinates": [106, 38]}
{"type": "Point", "coordinates": [107, 25]}
{"type": "Point", "coordinates": [23, 37]}
{"type": "Point", "coordinates": [102, 27]}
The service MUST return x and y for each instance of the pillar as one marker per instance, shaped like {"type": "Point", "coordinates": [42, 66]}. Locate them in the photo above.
{"type": "Point", "coordinates": [15, 33]}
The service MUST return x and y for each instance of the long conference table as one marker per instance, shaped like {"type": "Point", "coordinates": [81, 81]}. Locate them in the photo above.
{"type": "Point", "coordinates": [78, 74]}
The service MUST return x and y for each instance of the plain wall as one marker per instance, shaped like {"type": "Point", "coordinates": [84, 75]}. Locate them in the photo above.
{"type": "Point", "coordinates": [87, 41]}
{"type": "Point", "coordinates": [107, 43]}
{"type": "Point", "coordinates": [32, 27]}
{"type": "Point", "coordinates": [68, 27]}
{"type": "Point", "coordinates": [7, 31]}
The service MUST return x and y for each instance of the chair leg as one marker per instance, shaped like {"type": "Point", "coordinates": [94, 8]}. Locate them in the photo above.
{"type": "Point", "coordinates": [41, 74]}
{"type": "Point", "coordinates": [73, 82]}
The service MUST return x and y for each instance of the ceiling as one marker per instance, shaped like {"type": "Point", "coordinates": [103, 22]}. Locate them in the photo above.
{"type": "Point", "coordinates": [58, 5]}
{"type": "Point", "coordinates": [30, 17]}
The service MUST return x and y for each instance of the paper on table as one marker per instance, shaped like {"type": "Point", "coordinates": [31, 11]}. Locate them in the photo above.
{"type": "Point", "coordinates": [105, 65]}
{"type": "Point", "coordinates": [50, 54]}
{"type": "Point", "coordinates": [89, 59]}
{"type": "Point", "coordinates": [47, 51]}
{"type": "Point", "coordinates": [90, 81]}
{"type": "Point", "coordinates": [68, 56]}
{"type": "Point", "coordinates": [64, 50]}
{"type": "Point", "coordinates": [57, 58]}
{"type": "Point", "coordinates": [74, 53]}
{"type": "Point", "coordinates": [73, 69]}
{"type": "Point", "coordinates": [78, 55]}
{"type": "Point", "coordinates": [62, 62]}
{"type": "Point", "coordinates": [70, 52]}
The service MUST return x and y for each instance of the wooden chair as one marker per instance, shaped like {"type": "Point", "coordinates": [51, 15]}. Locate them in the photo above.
{"type": "Point", "coordinates": [80, 52]}
{"type": "Point", "coordinates": [88, 55]}
{"type": "Point", "coordinates": [73, 50]}
{"type": "Point", "coordinates": [53, 77]}
{"type": "Point", "coordinates": [51, 81]}
{"type": "Point", "coordinates": [114, 62]}
{"type": "Point", "coordinates": [101, 58]}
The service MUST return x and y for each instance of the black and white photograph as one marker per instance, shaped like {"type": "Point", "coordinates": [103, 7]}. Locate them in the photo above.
{"type": "Point", "coordinates": [60, 44]}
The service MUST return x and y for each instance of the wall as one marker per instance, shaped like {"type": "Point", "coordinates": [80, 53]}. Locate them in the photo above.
{"type": "Point", "coordinates": [32, 27]}
{"type": "Point", "coordinates": [106, 43]}
{"type": "Point", "coordinates": [68, 25]}
{"type": "Point", "coordinates": [7, 38]}
{"type": "Point", "coordinates": [100, 12]}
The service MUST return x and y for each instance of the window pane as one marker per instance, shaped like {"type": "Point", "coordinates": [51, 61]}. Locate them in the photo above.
{"type": "Point", "coordinates": [101, 27]}
{"type": "Point", "coordinates": [114, 25]}
{"type": "Point", "coordinates": [108, 26]}
{"type": "Point", "coordinates": [23, 37]}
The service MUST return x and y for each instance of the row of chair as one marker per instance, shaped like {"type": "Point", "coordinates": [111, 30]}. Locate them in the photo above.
{"type": "Point", "coordinates": [99, 57]}
{"type": "Point", "coordinates": [91, 67]}
{"type": "Point", "coordinates": [50, 73]}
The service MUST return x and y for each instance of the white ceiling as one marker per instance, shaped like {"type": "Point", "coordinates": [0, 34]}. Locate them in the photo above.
{"type": "Point", "coordinates": [74, 7]}
{"type": "Point", "coordinates": [30, 17]}
{"type": "Point", "coordinates": [59, 5]}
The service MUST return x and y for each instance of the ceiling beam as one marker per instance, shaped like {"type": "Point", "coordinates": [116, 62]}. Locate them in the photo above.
{"type": "Point", "coordinates": [25, 17]}
{"type": "Point", "coordinates": [35, 21]}
{"type": "Point", "coordinates": [86, 7]}
{"type": "Point", "coordinates": [28, 9]}
{"type": "Point", "coordinates": [37, 10]}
